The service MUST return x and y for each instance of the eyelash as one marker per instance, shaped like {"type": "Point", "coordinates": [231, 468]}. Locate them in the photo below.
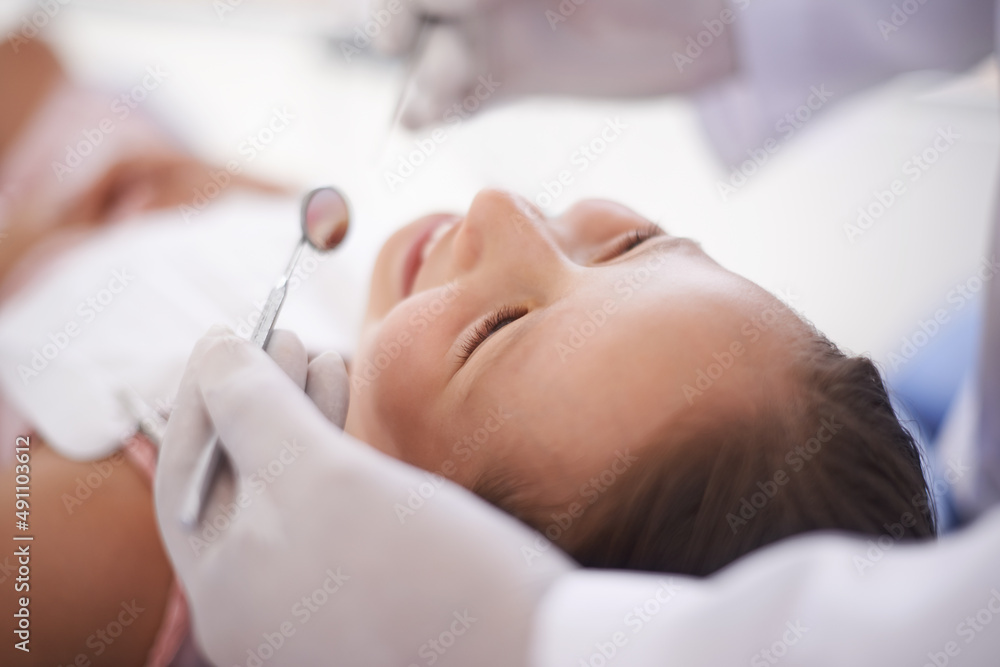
{"type": "Point", "coordinates": [506, 314]}
{"type": "Point", "coordinates": [634, 238]}
{"type": "Point", "coordinates": [497, 320]}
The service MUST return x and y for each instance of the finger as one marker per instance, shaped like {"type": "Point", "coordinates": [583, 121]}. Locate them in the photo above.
{"type": "Point", "coordinates": [188, 432]}
{"type": "Point", "coordinates": [329, 387]}
{"type": "Point", "coordinates": [442, 76]}
{"type": "Point", "coordinates": [256, 408]}
{"type": "Point", "coordinates": [290, 354]}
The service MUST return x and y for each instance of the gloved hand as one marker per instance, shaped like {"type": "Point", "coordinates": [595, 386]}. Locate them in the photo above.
{"type": "Point", "coordinates": [496, 49]}
{"type": "Point", "coordinates": [312, 562]}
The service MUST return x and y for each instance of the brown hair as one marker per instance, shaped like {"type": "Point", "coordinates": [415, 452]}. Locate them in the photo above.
{"type": "Point", "coordinates": [738, 473]}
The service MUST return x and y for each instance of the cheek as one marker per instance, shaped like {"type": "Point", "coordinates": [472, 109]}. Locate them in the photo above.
{"type": "Point", "coordinates": [395, 381]}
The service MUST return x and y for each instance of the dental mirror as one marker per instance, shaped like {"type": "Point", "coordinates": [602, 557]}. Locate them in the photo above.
{"type": "Point", "coordinates": [325, 220]}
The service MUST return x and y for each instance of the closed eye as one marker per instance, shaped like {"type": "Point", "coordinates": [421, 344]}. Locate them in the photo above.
{"type": "Point", "coordinates": [488, 326]}
{"type": "Point", "coordinates": [630, 240]}
{"type": "Point", "coordinates": [505, 315]}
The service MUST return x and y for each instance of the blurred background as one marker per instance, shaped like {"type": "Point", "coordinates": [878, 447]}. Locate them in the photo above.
{"type": "Point", "coordinates": [230, 64]}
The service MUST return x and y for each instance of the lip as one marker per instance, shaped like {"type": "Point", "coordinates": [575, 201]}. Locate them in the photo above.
{"type": "Point", "coordinates": [413, 259]}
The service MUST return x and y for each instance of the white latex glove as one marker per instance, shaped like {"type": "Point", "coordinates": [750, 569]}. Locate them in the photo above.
{"type": "Point", "coordinates": [496, 49]}
{"type": "Point", "coordinates": [314, 566]}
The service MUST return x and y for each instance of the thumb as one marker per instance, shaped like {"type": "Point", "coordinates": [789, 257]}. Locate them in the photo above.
{"type": "Point", "coordinates": [324, 379]}
{"type": "Point", "coordinates": [189, 431]}
{"type": "Point", "coordinates": [257, 409]}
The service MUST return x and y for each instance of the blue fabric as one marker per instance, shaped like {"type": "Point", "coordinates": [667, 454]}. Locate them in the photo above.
{"type": "Point", "coordinates": [924, 389]}
{"type": "Point", "coordinates": [928, 383]}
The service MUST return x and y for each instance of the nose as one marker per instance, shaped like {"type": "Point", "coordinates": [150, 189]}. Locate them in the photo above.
{"type": "Point", "coordinates": [505, 230]}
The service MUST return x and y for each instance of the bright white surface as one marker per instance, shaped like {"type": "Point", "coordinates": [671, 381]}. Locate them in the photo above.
{"type": "Point", "coordinates": [784, 229]}
{"type": "Point", "coordinates": [234, 253]}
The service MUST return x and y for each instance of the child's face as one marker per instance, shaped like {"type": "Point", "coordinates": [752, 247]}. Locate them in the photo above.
{"type": "Point", "coordinates": [595, 349]}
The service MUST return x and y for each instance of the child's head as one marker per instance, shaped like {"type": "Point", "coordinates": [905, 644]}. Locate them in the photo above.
{"type": "Point", "coordinates": [614, 387]}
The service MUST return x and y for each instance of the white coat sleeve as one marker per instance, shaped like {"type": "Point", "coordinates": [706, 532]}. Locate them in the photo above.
{"type": "Point", "coordinates": [968, 446]}
{"type": "Point", "coordinates": [822, 601]}
{"type": "Point", "coordinates": [986, 447]}
{"type": "Point", "coordinates": [817, 52]}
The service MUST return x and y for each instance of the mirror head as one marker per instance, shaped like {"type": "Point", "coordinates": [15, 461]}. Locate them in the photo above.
{"type": "Point", "coordinates": [325, 218]}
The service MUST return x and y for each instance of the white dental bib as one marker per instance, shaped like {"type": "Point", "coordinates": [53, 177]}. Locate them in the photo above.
{"type": "Point", "coordinates": [120, 313]}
